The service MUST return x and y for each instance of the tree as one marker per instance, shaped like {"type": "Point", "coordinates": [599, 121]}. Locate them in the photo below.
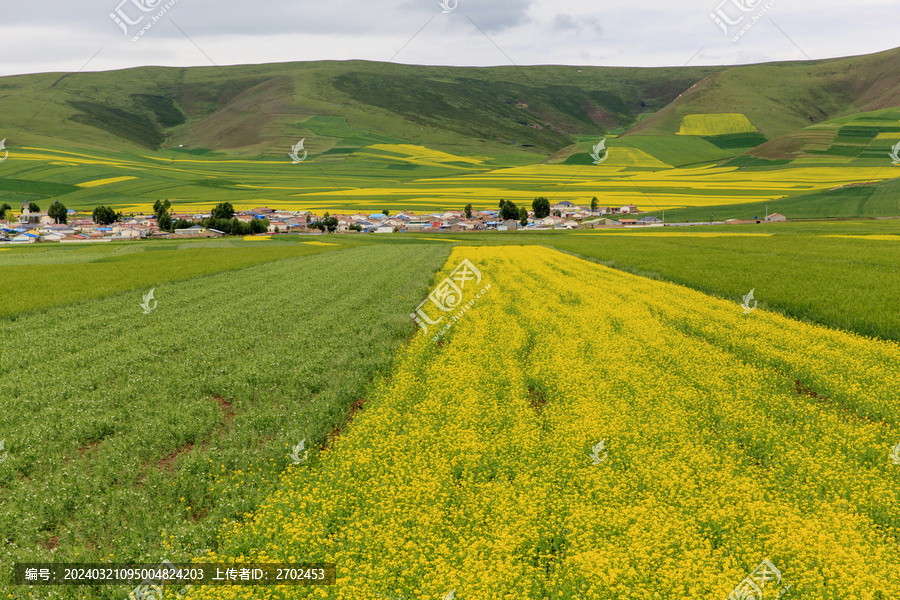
{"type": "Point", "coordinates": [58, 212]}
{"type": "Point", "coordinates": [386, 212]}
{"type": "Point", "coordinates": [594, 203]}
{"type": "Point", "coordinates": [3, 210]}
{"type": "Point", "coordinates": [502, 202]}
{"type": "Point", "coordinates": [355, 227]}
{"type": "Point", "coordinates": [223, 210]}
{"type": "Point", "coordinates": [330, 223]}
{"type": "Point", "coordinates": [161, 206]}
{"type": "Point", "coordinates": [541, 207]}
{"type": "Point", "coordinates": [468, 210]}
{"type": "Point", "coordinates": [556, 213]}
{"type": "Point", "coordinates": [509, 211]}
{"type": "Point", "coordinates": [164, 222]}
{"type": "Point", "coordinates": [258, 225]}
{"type": "Point", "coordinates": [523, 216]}
{"type": "Point", "coordinates": [33, 207]}
{"type": "Point", "coordinates": [104, 215]}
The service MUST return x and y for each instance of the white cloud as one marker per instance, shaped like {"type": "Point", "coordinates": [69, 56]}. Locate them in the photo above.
{"type": "Point", "coordinates": [59, 35]}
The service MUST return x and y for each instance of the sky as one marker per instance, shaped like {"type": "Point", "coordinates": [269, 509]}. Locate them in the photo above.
{"type": "Point", "coordinates": [99, 35]}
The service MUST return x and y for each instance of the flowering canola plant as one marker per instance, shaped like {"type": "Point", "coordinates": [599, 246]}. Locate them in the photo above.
{"type": "Point", "coordinates": [728, 439]}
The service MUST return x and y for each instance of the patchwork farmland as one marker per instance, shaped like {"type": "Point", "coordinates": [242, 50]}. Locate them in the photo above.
{"type": "Point", "coordinates": [606, 333]}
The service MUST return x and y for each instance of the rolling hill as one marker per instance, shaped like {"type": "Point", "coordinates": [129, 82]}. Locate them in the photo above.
{"type": "Point", "coordinates": [385, 135]}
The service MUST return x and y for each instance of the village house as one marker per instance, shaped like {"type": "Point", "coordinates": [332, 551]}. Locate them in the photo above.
{"type": "Point", "coordinates": [629, 209]}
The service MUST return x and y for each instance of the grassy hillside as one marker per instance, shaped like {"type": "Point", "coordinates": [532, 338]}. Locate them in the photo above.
{"type": "Point", "coordinates": [779, 98]}
{"type": "Point", "coordinates": [258, 109]}
{"type": "Point", "coordinates": [856, 139]}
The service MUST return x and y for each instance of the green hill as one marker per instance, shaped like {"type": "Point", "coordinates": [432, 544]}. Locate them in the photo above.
{"type": "Point", "coordinates": [260, 109]}
{"type": "Point", "coordinates": [780, 98]}
{"type": "Point", "coordinates": [383, 135]}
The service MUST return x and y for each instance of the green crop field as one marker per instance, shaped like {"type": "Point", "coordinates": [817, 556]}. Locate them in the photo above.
{"type": "Point", "coordinates": [155, 431]}
{"type": "Point", "coordinates": [132, 434]}
{"type": "Point", "coordinates": [136, 428]}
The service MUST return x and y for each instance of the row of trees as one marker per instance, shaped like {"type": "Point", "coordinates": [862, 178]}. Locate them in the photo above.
{"type": "Point", "coordinates": [540, 207]}
{"type": "Point", "coordinates": [330, 223]}
{"type": "Point", "coordinates": [222, 219]}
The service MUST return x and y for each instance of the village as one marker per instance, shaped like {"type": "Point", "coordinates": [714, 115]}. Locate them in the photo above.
{"type": "Point", "coordinates": [30, 227]}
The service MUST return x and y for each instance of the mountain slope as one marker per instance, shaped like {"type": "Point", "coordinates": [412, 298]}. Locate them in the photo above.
{"type": "Point", "coordinates": [779, 98]}
{"type": "Point", "coordinates": [258, 109]}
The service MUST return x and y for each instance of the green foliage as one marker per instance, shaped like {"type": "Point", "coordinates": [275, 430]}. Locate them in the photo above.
{"type": "Point", "coordinates": [509, 210]}
{"type": "Point", "coordinates": [104, 215]}
{"type": "Point", "coordinates": [523, 216]}
{"type": "Point", "coordinates": [594, 203]}
{"type": "Point", "coordinates": [385, 212]}
{"type": "Point", "coordinates": [5, 207]}
{"type": "Point", "coordinates": [57, 212]}
{"type": "Point", "coordinates": [160, 207]}
{"type": "Point", "coordinates": [223, 210]}
{"type": "Point", "coordinates": [541, 207]}
{"type": "Point", "coordinates": [165, 222]}
{"type": "Point", "coordinates": [34, 207]}
{"type": "Point", "coordinates": [468, 210]}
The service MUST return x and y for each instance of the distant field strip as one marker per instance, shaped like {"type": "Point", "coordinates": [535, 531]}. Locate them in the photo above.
{"type": "Point", "coordinates": [715, 124]}
{"type": "Point", "coordinates": [727, 439]}
{"type": "Point", "coordinates": [406, 176]}
{"type": "Point", "coordinates": [99, 182]}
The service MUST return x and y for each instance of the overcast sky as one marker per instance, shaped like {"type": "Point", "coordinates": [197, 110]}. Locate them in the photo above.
{"type": "Point", "coordinates": [67, 35]}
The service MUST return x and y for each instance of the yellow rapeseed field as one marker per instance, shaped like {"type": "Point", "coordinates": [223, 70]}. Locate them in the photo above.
{"type": "Point", "coordinates": [476, 467]}
{"type": "Point", "coordinates": [715, 124]}
{"type": "Point", "coordinates": [99, 182]}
